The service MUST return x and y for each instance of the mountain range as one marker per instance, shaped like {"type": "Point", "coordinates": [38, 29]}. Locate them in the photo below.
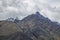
{"type": "Point", "coordinates": [32, 27]}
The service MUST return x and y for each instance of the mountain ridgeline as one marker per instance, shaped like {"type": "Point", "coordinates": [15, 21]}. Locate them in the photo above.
{"type": "Point", "coordinates": [32, 27]}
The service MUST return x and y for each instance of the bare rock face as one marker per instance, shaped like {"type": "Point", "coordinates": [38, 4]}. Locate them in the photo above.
{"type": "Point", "coordinates": [32, 27]}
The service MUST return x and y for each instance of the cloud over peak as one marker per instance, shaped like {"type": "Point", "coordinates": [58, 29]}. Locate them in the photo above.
{"type": "Point", "coordinates": [22, 8]}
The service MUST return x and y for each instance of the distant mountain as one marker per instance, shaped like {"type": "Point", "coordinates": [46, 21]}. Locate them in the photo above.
{"type": "Point", "coordinates": [10, 19]}
{"type": "Point", "coordinates": [16, 20]}
{"type": "Point", "coordinates": [32, 27]}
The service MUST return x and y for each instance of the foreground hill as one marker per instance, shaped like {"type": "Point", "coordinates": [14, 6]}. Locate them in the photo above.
{"type": "Point", "coordinates": [8, 27]}
{"type": "Point", "coordinates": [32, 27]}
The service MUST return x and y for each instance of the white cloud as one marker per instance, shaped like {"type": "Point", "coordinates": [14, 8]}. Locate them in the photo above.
{"type": "Point", "coordinates": [50, 9]}
{"type": "Point", "coordinates": [22, 8]}
{"type": "Point", "coordinates": [10, 8]}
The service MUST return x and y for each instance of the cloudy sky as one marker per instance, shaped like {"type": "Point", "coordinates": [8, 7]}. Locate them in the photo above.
{"type": "Point", "coordinates": [22, 8]}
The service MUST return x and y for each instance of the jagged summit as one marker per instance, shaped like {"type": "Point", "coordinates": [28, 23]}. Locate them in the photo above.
{"type": "Point", "coordinates": [36, 16]}
{"type": "Point", "coordinates": [37, 13]}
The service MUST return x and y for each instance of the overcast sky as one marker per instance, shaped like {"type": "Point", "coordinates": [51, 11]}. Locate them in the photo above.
{"type": "Point", "coordinates": [22, 8]}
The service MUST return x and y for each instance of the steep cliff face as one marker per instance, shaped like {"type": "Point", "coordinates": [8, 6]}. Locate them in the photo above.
{"type": "Point", "coordinates": [32, 27]}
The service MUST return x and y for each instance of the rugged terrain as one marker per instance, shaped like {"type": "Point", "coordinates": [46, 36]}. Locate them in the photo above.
{"type": "Point", "coordinates": [32, 27]}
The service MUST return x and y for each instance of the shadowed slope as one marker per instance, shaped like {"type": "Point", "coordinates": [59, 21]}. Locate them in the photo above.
{"type": "Point", "coordinates": [40, 26]}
